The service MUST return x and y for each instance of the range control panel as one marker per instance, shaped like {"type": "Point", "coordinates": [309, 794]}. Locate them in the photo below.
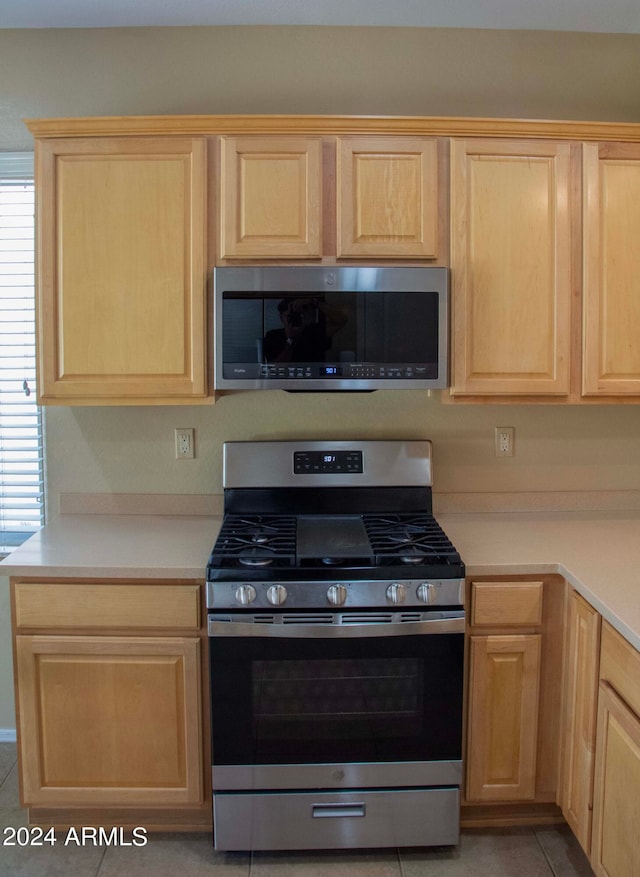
{"type": "Point", "coordinates": [331, 462]}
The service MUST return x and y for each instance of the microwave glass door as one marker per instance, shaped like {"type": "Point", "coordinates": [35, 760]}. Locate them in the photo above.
{"type": "Point", "coordinates": [333, 328]}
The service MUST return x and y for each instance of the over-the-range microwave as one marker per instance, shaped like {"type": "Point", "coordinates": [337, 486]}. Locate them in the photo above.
{"type": "Point", "coordinates": [330, 327]}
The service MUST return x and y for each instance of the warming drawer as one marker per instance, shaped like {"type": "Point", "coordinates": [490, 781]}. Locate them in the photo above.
{"type": "Point", "coordinates": [336, 820]}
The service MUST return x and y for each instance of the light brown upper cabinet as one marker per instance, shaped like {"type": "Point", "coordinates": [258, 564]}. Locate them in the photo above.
{"type": "Point", "coordinates": [271, 198]}
{"type": "Point", "coordinates": [381, 192]}
{"type": "Point", "coordinates": [387, 202]}
{"type": "Point", "coordinates": [611, 269]}
{"type": "Point", "coordinates": [122, 271]}
{"type": "Point", "coordinates": [511, 267]}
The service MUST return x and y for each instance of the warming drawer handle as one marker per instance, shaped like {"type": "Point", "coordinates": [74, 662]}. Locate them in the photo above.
{"type": "Point", "coordinates": [337, 811]}
{"type": "Point", "coordinates": [327, 631]}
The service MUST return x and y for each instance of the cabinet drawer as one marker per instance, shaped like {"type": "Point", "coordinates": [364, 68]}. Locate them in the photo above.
{"type": "Point", "coordinates": [620, 666]}
{"type": "Point", "coordinates": [506, 603]}
{"type": "Point", "coordinates": [152, 605]}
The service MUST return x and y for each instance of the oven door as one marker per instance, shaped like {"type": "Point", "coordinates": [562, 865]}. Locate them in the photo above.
{"type": "Point", "coordinates": [336, 705]}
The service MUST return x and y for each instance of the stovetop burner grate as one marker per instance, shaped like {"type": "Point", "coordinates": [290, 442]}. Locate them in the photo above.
{"type": "Point", "coordinates": [256, 541]}
{"type": "Point", "coordinates": [408, 539]}
{"type": "Point", "coordinates": [272, 541]}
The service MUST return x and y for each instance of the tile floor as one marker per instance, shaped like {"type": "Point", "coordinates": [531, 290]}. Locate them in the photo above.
{"type": "Point", "coordinates": [522, 852]}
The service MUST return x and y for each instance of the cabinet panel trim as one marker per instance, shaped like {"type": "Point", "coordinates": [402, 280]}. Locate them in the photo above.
{"type": "Point", "coordinates": [615, 850]}
{"type": "Point", "coordinates": [106, 653]}
{"type": "Point", "coordinates": [64, 378]}
{"type": "Point", "coordinates": [476, 370]}
{"type": "Point", "coordinates": [501, 728]}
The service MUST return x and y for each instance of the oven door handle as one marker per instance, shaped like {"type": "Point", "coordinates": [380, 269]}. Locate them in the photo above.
{"type": "Point", "coordinates": [351, 630]}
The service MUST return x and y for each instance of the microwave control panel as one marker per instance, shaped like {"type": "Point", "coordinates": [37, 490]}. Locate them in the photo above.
{"type": "Point", "coordinates": [350, 372]}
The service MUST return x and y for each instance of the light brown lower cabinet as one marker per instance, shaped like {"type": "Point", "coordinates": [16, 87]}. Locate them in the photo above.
{"type": "Point", "coordinates": [503, 710]}
{"type": "Point", "coordinates": [514, 691]}
{"type": "Point", "coordinates": [615, 845]}
{"type": "Point", "coordinates": [583, 657]}
{"type": "Point", "coordinates": [109, 720]}
{"type": "Point", "coordinates": [616, 811]}
{"type": "Point", "coordinates": [109, 700]}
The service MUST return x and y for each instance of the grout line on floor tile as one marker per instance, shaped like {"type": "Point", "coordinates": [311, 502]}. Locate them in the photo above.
{"type": "Point", "coordinates": [337, 851]}
{"type": "Point", "coordinates": [9, 769]}
{"type": "Point", "coordinates": [13, 767]}
{"type": "Point", "coordinates": [544, 853]}
{"type": "Point", "coordinates": [104, 853]}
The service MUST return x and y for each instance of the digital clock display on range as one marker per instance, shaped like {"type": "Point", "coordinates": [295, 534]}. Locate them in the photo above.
{"type": "Point", "coordinates": [326, 462]}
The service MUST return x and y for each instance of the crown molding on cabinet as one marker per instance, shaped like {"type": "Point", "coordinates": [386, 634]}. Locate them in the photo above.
{"type": "Point", "coordinates": [454, 126]}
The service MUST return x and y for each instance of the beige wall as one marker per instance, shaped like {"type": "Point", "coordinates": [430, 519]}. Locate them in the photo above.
{"type": "Point", "coordinates": [129, 450]}
{"type": "Point", "coordinates": [387, 71]}
{"type": "Point", "coordinates": [323, 70]}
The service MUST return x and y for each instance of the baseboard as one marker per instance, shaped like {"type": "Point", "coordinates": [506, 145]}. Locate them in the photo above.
{"type": "Point", "coordinates": [7, 735]}
{"type": "Point", "coordinates": [509, 815]}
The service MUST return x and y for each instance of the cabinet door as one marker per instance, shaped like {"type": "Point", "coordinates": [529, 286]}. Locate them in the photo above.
{"type": "Point", "coordinates": [121, 313]}
{"type": "Point", "coordinates": [109, 720]}
{"type": "Point", "coordinates": [615, 850]}
{"type": "Point", "coordinates": [387, 197]}
{"type": "Point", "coordinates": [271, 198]}
{"type": "Point", "coordinates": [580, 720]}
{"type": "Point", "coordinates": [611, 269]}
{"type": "Point", "coordinates": [503, 717]}
{"type": "Point", "coordinates": [511, 267]}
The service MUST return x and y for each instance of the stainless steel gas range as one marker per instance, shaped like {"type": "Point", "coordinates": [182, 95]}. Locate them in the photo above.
{"type": "Point", "coordinates": [336, 631]}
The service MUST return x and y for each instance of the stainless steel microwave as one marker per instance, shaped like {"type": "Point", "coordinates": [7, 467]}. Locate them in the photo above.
{"type": "Point", "coordinates": [330, 328]}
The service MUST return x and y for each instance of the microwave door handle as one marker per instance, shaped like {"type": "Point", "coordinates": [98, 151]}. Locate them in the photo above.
{"type": "Point", "coordinates": [351, 630]}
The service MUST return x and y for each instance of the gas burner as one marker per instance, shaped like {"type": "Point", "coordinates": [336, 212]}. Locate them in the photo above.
{"type": "Point", "coordinates": [410, 539]}
{"type": "Point", "coordinates": [255, 557]}
{"type": "Point", "coordinates": [256, 541]}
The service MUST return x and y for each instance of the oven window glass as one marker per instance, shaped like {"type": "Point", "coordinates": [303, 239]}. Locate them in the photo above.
{"type": "Point", "coordinates": [339, 697]}
{"type": "Point", "coordinates": [331, 701]}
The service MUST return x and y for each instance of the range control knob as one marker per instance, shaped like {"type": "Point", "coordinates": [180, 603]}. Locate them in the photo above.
{"type": "Point", "coordinates": [246, 594]}
{"type": "Point", "coordinates": [276, 595]}
{"type": "Point", "coordinates": [336, 595]}
{"type": "Point", "coordinates": [396, 593]}
{"type": "Point", "coordinates": [426, 592]}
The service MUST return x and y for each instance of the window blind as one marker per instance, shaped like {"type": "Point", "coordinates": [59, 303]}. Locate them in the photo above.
{"type": "Point", "coordinates": [21, 445]}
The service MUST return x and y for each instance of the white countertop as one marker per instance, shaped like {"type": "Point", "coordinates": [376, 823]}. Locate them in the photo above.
{"type": "Point", "coordinates": [117, 546]}
{"type": "Point", "coordinates": [597, 552]}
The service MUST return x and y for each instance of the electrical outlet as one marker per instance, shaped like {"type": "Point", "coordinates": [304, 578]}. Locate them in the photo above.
{"type": "Point", "coordinates": [505, 438]}
{"type": "Point", "coordinates": [184, 444]}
